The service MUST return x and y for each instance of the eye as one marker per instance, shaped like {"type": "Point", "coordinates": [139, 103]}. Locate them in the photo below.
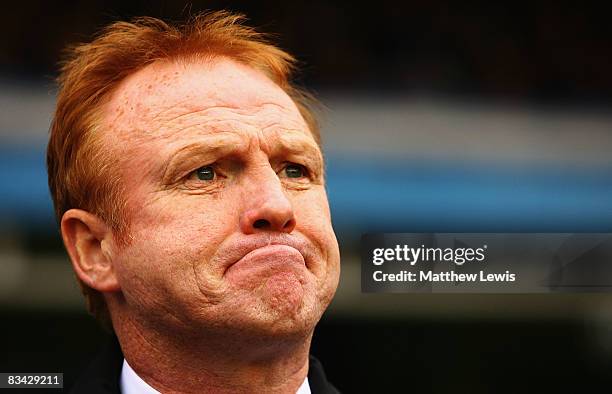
{"type": "Point", "coordinates": [206, 173]}
{"type": "Point", "coordinates": [295, 171]}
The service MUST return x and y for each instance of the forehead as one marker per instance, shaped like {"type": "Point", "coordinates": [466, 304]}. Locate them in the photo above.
{"type": "Point", "coordinates": [173, 98]}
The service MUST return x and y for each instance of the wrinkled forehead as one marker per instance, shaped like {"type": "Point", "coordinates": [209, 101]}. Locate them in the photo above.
{"type": "Point", "coordinates": [172, 95]}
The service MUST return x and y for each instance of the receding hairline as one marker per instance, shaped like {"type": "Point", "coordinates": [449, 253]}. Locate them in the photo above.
{"type": "Point", "coordinates": [129, 91]}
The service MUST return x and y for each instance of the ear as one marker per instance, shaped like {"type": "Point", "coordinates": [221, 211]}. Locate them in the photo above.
{"type": "Point", "coordinates": [89, 242]}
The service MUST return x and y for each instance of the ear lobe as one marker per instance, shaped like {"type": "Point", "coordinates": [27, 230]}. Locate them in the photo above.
{"type": "Point", "coordinates": [87, 238]}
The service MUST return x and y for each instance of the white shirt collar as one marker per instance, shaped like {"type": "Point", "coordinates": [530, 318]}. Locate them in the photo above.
{"type": "Point", "coordinates": [131, 383]}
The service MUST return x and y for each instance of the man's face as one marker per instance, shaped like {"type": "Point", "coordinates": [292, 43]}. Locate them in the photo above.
{"type": "Point", "coordinates": [229, 219]}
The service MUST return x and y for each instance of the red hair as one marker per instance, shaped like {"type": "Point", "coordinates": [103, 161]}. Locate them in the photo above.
{"type": "Point", "coordinates": [81, 173]}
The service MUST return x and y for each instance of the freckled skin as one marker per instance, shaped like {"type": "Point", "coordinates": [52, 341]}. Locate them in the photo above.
{"type": "Point", "coordinates": [175, 277]}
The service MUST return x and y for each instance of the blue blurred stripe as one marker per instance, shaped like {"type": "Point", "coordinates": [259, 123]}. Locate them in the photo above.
{"type": "Point", "coordinates": [420, 196]}
{"type": "Point", "coordinates": [24, 194]}
{"type": "Point", "coordinates": [383, 194]}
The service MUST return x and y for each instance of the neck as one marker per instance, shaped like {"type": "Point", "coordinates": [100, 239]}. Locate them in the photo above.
{"type": "Point", "coordinates": [213, 362]}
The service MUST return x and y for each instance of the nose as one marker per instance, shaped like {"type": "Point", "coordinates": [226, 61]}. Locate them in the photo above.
{"type": "Point", "coordinates": [267, 207]}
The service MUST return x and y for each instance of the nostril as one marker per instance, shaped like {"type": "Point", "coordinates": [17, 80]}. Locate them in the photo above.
{"type": "Point", "coordinates": [288, 224]}
{"type": "Point", "coordinates": [261, 223]}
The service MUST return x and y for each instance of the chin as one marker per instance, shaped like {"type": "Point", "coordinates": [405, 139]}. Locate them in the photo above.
{"type": "Point", "coordinates": [281, 316]}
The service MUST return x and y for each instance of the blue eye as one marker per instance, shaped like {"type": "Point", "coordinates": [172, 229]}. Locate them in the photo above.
{"type": "Point", "coordinates": [206, 173]}
{"type": "Point", "coordinates": [295, 171]}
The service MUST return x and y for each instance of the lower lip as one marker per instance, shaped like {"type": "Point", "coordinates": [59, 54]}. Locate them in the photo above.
{"type": "Point", "coordinates": [276, 257]}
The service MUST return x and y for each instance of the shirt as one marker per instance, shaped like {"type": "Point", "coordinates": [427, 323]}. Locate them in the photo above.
{"type": "Point", "coordinates": [131, 383]}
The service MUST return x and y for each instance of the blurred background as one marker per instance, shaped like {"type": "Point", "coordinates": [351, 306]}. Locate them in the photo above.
{"type": "Point", "coordinates": [440, 117]}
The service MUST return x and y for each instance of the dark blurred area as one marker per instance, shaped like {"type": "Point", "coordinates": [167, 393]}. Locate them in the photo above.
{"type": "Point", "coordinates": [442, 116]}
{"type": "Point", "coordinates": [541, 50]}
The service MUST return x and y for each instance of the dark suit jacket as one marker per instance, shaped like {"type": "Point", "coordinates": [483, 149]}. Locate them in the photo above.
{"type": "Point", "coordinates": [102, 376]}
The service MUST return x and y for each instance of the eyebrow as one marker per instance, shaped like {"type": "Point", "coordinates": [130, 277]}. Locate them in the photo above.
{"type": "Point", "coordinates": [209, 148]}
{"type": "Point", "coordinates": [221, 144]}
{"type": "Point", "coordinates": [299, 145]}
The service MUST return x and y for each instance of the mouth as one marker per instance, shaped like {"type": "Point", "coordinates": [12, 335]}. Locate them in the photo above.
{"type": "Point", "coordinates": [281, 252]}
{"type": "Point", "coordinates": [268, 260]}
{"type": "Point", "coordinates": [273, 251]}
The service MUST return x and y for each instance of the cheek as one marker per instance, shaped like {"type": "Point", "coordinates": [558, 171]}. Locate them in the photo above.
{"type": "Point", "coordinates": [171, 240]}
{"type": "Point", "coordinates": [184, 222]}
{"type": "Point", "coordinates": [312, 214]}
{"type": "Point", "coordinates": [314, 221]}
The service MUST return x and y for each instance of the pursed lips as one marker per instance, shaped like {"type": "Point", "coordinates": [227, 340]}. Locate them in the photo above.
{"type": "Point", "coordinates": [264, 243]}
